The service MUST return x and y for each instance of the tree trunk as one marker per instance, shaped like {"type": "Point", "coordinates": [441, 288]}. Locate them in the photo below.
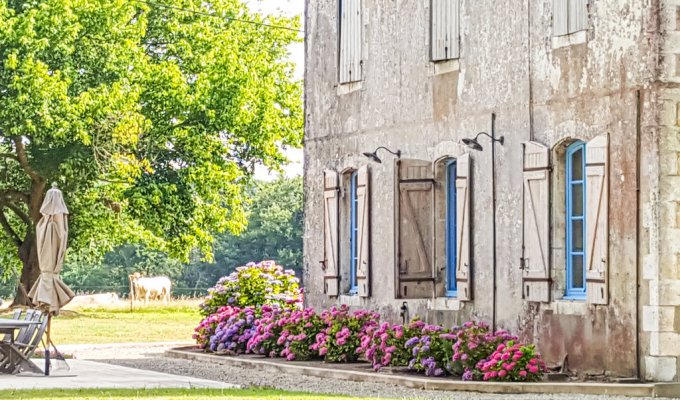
{"type": "Point", "coordinates": [28, 254]}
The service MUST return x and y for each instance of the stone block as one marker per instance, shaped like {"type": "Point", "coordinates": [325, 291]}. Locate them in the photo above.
{"type": "Point", "coordinates": [669, 293]}
{"type": "Point", "coordinates": [658, 318]}
{"type": "Point", "coordinates": [669, 163]}
{"type": "Point", "coordinates": [669, 266]}
{"type": "Point", "coordinates": [661, 369]}
{"type": "Point", "coordinates": [670, 188]}
{"type": "Point", "coordinates": [669, 344]}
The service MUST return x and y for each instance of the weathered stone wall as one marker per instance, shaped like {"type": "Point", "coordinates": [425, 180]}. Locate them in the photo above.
{"type": "Point", "coordinates": [541, 89]}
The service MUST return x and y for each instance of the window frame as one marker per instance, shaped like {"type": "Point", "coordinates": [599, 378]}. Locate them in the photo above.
{"type": "Point", "coordinates": [353, 230]}
{"type": "Point", "coordinates": [451, 287]}
{"type": "Point", "coordinates": [571, 292]}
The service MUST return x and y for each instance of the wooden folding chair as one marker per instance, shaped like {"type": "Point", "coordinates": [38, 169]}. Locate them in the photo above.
{"type": "Point", "coordinates": [16, 355]}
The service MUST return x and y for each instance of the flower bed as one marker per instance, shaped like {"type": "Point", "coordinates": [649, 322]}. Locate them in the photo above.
{"type": "Point", "coordinates": [339, 335]}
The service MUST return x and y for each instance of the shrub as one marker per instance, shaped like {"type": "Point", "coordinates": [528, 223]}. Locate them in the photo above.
{"type": "Point", "coordinates": [343, 333]}
{"type": "Point", "coordinates": [268, 329]}
{"type": "Point", "coordinates": [206, 328]}
{"type": "Point", "coordinates": [232, 335]}
{"type": "Point", "coordinates": [432, 350]}
{"type": "Point", "coordinates": [300, 328]}
{"type": "Point", "coordinates": [385, 345]}
{"type": "Point", "coordinates": [474, 342]}
{"type": "Point", "coordinates": [512, 362]}
{"type": "Point", "coordinates": [255, 285]}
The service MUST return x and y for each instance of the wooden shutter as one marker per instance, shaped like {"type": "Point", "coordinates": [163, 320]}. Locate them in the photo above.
{"type": "Point", "coordinates": [445, 31]}
{"type": "Point", "coordinates": [330, 233]}
{"type": "Point", "coordinates": [415, 229]}
{"type": "Point", "coordinates": [350, 41]}
{"type": "Point", "coordinates": [536, 224]}
{"type": "Point", "coordinates": [363, 234]}
{"type": "Point", "coordinates": [597, 215]}
{"type": "Point", "coordinates": [463, 232]}
{"type": "Point", "coordinates": [578, 15]}
{"type": "Point", "coordinates": [560, 17]}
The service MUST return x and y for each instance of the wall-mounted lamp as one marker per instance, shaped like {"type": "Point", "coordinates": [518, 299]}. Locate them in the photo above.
{"type": "Point", "coordinates": [374, 155]}
{"type": "Point", "coordinates": [474, 144]}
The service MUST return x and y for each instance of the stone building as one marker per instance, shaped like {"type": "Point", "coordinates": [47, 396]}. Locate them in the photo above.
{"type": "Point", "coordinates": [567, 232]}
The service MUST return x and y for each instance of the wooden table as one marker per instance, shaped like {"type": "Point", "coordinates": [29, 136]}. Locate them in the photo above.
{"type": "Point", "coordinates": [12, 356]}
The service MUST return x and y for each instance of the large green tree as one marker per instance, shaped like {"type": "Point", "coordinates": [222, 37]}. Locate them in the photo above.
{"type": "Point", "coordinates": [150, 118]}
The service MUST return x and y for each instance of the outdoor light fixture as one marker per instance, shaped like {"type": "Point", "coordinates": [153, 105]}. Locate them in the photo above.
{"type": "Point", "coordinates": [474, 145]}
{"type": "Point", "coordinates": [374, 155]}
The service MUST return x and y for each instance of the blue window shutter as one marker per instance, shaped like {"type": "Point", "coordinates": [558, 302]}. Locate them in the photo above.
{"type": "Point", "coordinates": [597, 244]}
{"type": "Point", "coordinates": [331, 232]}
{"type": "Point", "coordinates": [576, 219]}
{"type": "Point", "coordinates": [536, 223]}
{"type": "Point", "coordinates": [451, 248]}
{"type": "Point", "coordinates": [363, 233]}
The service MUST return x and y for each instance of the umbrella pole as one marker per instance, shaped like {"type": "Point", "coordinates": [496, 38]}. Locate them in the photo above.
{"type": "Point", "coordinates": [47, 348]}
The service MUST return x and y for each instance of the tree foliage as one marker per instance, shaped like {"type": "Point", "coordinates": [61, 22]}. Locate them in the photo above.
{"type": "Point", "coordinates": [150, 119]}
{"type": "Point", "coordinates": [274, 232]}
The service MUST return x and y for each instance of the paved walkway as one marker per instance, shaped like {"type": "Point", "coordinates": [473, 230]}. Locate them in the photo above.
{"type": "Point", "coordinates": [84, 374]}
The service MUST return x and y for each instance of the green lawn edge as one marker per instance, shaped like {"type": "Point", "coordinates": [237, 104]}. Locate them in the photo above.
{"type": "Point", "coordinates": [165, 394]}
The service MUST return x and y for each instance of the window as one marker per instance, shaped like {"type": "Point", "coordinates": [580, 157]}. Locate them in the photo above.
{"type": "Point", "coordinates": [444, 30]}
{"type": "Point", "coordinates": [353, 234]}
{"type": "Point", "coordinates": [451, 228]}
{"type": "Point", "coordinates": [569, 16]}
{"type": "Point", "coordinates": [349, 60]}
{"type": "Point", "coordinates": [575, 220]}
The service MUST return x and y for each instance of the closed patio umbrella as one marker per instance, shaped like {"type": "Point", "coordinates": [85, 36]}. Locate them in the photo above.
{"type": "Point", "coordinates": [49, 292]}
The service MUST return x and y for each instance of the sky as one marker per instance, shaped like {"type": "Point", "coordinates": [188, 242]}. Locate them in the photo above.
{"type": "Point", "coordinates": [297, 55]}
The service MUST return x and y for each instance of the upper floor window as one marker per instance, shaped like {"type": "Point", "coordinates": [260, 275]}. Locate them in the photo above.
{"type": "Point", "coordinates": [569, 16]}
{"type": "Point", "coordinates": [349, 59]}
{"type": "Point", "coordinates": [451, 229]}
{"type": "Point", "coordinates": [444, 29]}
{"type": "Point", "coordinates": [353, 234]}
{"type": "Point", "coordinates": [576, 220]}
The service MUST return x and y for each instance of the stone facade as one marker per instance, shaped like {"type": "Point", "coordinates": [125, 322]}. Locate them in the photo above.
{"type": "Point", "coordinates": [618, 78]}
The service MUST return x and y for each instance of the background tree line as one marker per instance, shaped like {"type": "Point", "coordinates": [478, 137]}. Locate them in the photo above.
{"type": "Point", "coordinates": [274, 231]}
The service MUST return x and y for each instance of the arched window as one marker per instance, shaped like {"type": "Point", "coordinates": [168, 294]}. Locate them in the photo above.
{"type": "Point", "coordinates": [575, 220]}
{"type": "Point", "coordinates": [353, 229]}
{"type": "Point", "coordinates": [451, 227]}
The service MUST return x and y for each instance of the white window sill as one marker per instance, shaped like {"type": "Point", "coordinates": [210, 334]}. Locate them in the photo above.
{"type": "Point", "coordinates": [349, 87]}
{"type": "Point", "coordinates": [570, 307]}
{"type": "Point", "coordinates": [444, 67]}
{"type": "Point", "coordinates": [351, 300]}
{"type": "Point", "coordinates": [571, 39]}
{"type": "Point", "coordinates": [445, 304]}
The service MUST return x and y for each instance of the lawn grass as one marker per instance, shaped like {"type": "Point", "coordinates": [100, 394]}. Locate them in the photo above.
{"type": "Point", "coordinates": [161, 394]}
{"type": "Point", "coordinates": [174, 322]}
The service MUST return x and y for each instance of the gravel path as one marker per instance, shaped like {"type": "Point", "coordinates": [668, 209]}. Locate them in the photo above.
{"type": "Point", "coordinates": [150, 357]}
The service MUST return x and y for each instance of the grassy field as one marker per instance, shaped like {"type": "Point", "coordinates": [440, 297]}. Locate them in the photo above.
{"type": "Point", "coordinates": [117, 324]}
{"type": "Point", "coordinates": [160, 394]}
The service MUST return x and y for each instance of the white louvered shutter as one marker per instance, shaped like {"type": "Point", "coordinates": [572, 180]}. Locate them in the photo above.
{"type": "Point", "coordinates": [597, 220]}
{"type": "Point", "coordinates": [364, 233]}
{"type": "Point", "coordinates": [536, 224]}
{"type": "Point", "coordinates": [350, 41]}
{"type": "Point", "coordinates": [463, 232]}
{"type": "Point", "coordinates": [578, 15]}
{"type": "Point", "coordinates": [330, 233]}
{"type": "Point", "coordinates": [560, 17]}
{"type": "Point", "coordinates": [445, 29]}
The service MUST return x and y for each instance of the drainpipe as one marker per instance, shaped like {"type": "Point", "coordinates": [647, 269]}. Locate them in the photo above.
{"type": "Point", "coordinates": [493, 215]}
{"type": "Point", "coordinates": [638, 129]}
